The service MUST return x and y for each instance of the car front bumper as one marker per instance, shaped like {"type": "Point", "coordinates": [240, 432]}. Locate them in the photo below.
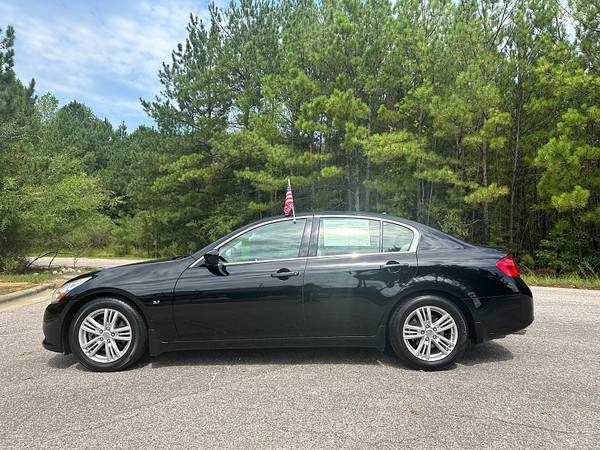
{"type": "Point", "coordinates": [52, 328]}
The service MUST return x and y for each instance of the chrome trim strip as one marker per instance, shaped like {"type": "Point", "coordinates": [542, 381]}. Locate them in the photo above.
{"type": "Point", "coordinates": [412, 249]}
{"type": "Point", "coordinates": [356, 255]}
{"type": "Point", "coordinates": [197, 262]}
{"type": "Point", "coordinates": [239, 263]}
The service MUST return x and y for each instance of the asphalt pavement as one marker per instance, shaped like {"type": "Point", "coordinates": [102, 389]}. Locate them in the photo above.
{"type": "Point", "coordinates": [539, 390]}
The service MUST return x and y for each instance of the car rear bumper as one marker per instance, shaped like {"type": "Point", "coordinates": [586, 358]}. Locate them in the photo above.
{"type": "Point", "coordinates": [503, 315]}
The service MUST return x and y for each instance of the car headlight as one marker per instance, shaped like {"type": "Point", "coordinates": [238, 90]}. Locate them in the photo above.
{"type": "Point", "coordinates": [66, 288]}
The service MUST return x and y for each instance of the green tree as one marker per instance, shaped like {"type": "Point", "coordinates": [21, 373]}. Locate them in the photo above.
{"type": "Point", "coordinates": [17, 125]}
{"type": "Point", "coordinates": [570, 182]}
{"type": "Point", "coordinates": [476, 116]}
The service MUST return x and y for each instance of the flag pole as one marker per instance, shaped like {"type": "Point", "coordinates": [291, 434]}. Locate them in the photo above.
{"type": "Point", "coordinates": [293, 207]}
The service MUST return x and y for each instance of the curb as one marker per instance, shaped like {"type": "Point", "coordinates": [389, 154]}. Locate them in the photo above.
{"type": "Point", "coordinates": [24, 293]}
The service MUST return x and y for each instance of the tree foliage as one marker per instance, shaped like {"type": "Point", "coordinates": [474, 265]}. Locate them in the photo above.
{"type": "Point", "coordinates": [480, 117]}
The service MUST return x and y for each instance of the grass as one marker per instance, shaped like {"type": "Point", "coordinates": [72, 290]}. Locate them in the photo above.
{"type": "Point", "coordinates": [17, 282]}
{"type": "Point", "coordinates": [28, 277]}
{"type": "Point", "coordinates": [109, 253]}
{"type": "Point", "coordinates": [567, 281]}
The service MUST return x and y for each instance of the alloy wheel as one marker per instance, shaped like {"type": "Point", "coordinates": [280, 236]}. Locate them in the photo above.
{"type": "Point", "coordinates": [105, 335]}
{"type": "Point", "coordinates": [430, 333]}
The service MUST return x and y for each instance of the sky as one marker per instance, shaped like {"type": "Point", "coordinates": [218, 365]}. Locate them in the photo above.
{"type": "Point", "coordinates": [105, 54]}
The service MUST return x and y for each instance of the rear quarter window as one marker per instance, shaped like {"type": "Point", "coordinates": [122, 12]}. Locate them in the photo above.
{"type": "Point", "coordinates": [396, 238]}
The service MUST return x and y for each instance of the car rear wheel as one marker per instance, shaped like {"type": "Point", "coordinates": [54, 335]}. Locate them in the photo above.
{"type": "Point", "coordinates": [107, 335]}
{"type": "Point", "coordinates": [428, 332]}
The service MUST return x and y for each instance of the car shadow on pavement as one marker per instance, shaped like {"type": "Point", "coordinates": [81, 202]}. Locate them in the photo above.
{"type": "Point", "coordinates": [480, 354]}
{"type": "Point", "coordinates": [476, 354]}
{"type": "Point", "coordinates": [61, 361]}
{"type": "Point", "coordinates": [276, 356]}
{"type": "Point", "coordinates": [491, 351]}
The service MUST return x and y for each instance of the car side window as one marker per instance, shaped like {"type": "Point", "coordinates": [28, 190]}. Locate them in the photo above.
{"type": "Point", "coordinates": [396, 238]}
{"type": "Point", "coordinates": [278, 240]}
{"type": "Point", "coordinates": [341, 236]}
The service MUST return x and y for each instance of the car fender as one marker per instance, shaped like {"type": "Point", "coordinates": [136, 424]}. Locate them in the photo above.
{"type": "Point", "coordinates": [440, 285]}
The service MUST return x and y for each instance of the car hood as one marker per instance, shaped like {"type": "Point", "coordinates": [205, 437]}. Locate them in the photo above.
{"type": "Point", "coordinates": [144, 270]}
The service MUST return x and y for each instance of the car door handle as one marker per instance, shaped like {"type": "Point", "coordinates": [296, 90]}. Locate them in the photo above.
{"type": "Point", "coordinates": [285, 274]}
{"type": "Point", "coordinates": [391, 264]}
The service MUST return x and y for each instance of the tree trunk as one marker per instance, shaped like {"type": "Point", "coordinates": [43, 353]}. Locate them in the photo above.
{"type": "Point", "coordinates": [367, 191]}
{"type": "Point", "coordinates": [357, 181]}
{"type": "Point", "coordinates": [312, 185]}
{"type": "Point", "coordinates": [486, 206]}
{"type": "Point", "coordinates": [418, 204]}
{"type": "Point", "coordinates": [52, 260]}
{"type": "Point", "coordinates": [368, 160]}
{"type": "Point", "coordinates": [515, 164]}
{"type": "Point", "coordinates": [36, 258]}
{"type": "Point", "coordinates": [348, 183]}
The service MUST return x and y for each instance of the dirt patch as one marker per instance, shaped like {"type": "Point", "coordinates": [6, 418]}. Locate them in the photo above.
{"type": "Point", "coordinates": [4, 284]}
{"type": "Point", "coordinates": [7, 288]}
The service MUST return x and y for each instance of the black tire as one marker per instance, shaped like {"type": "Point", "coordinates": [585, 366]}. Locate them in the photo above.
{"type": "Point", "coordinates": [139, 335]}
{"type": "Point", "coordinates": [399, 346]}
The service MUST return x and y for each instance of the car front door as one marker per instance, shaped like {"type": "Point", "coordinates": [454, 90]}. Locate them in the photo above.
{"type": "Point", "coordinates": [256, 292]}
{"type": "Point", "coordinates": [356, 267]}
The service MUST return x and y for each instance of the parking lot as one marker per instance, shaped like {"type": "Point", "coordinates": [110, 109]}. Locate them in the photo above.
{"type": "Point", "coordinates": [537, 390]}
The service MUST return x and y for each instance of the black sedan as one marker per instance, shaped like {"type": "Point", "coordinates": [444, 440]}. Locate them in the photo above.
{"type": "Point", "coordinates": [323, 279]}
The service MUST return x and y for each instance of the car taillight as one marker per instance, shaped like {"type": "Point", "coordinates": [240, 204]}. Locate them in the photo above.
{"type": "Point", "coordinates": [507, 266]}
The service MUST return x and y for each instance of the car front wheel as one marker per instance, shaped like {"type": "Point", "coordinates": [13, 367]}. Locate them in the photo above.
{"type": "Point", "coordinates": [428, 332]}
{"type": "Point", "coordinates": [107, 335]}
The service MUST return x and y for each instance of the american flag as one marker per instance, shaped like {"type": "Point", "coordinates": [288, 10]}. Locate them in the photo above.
{"type": "Point", "coordinates": [288, 205]}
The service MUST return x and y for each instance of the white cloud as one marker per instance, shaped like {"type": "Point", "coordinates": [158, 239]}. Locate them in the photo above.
{"type": "Point", "coordinates": [107, 58]}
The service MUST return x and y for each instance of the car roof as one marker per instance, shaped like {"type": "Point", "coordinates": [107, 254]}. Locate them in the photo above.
{"type": "Point", "coordinates": [368, 214]}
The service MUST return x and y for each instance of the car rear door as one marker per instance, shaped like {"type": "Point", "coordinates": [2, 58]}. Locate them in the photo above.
{"type": "Point", "coordinates": [356, 267]}
{"type": "Point", "coordinates": [255, 294]}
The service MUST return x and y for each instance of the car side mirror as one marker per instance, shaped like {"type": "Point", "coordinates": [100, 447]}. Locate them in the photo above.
{"type": "Point", "coordinates": [211, 257]}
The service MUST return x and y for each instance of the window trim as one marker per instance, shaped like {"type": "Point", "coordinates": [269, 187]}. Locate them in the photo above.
{"type": "Point", "coordinates": [317, 220]}
{"type": "Point", "coordinates": [314, 236]}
